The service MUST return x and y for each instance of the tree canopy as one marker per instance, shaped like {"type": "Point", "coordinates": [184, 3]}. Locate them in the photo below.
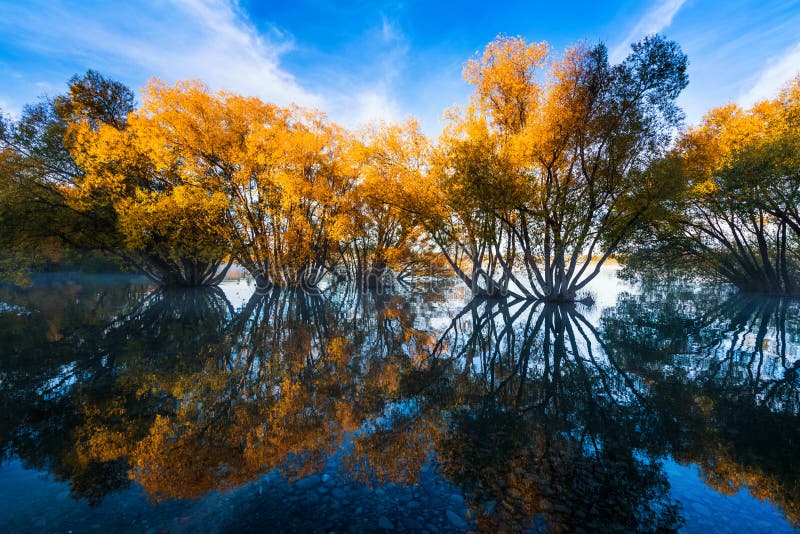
{"type": "Point", "coordinates": [557, 163]}
{"type": "Point", "coordinates": [735, 214]}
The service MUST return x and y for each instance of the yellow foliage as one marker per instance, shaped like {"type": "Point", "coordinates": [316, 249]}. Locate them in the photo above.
{"type": "Point", "coordinates": [504, 79]}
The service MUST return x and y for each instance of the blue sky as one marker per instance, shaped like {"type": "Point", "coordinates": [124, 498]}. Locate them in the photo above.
{"type": "Point", "coordinates": [362, 61]}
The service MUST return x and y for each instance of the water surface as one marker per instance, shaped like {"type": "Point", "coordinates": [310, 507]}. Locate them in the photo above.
{"type": "Point", "coordinates": [661, 407]}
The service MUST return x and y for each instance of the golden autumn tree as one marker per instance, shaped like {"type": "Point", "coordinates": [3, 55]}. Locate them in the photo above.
{"type": "Point", "coordinates": [737, 218]}
{"type": "Point", "coordinates": [466, 220]}
{"type": "Point", "coordinates": [551, 161]}
{"type": "Point", "coordinates": [80, 168]}
{"type": "Point", "coordinates": [280, 170]}
{"type": "Point", "coordinates": [376, 233]}
{"type": "Point", "coordinates": [170, 225]}
{"type": "Point", "coordinates": [39, 178]}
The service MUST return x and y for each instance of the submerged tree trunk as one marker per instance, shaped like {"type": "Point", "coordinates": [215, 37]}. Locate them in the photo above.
{"type": "Point", "coordinates": [186, 273]}
{"type": "Point", "coordinates": [371, 278]}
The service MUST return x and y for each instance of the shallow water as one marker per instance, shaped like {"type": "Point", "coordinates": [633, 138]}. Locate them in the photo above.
{"type": "Point", "coordinates": [660, 407]}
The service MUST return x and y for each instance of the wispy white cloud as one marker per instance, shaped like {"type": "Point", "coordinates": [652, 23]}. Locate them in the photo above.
{"type": "Point", "coordinates": [373, 97]}
{"type": "Point", "coordinates": [44, 86]}
{"type": "Point", "coordinates": [389, 31]}
{"type": "Point", "coordinates": [773, 77]}
{"type": "Point", "coordinates": [180, 39]}
{"type": "Point", "coordinates": [375, 104]}
{"type": "Point", "coordinates": [653, 21]}
{"type": "Point", "coordinates": [211, 40]}
{"type": "Point", "coordinates": [9, 109]}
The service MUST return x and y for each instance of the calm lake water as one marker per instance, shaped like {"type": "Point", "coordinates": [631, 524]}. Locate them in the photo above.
{"type": "Point", "coordinates": [660, 407]}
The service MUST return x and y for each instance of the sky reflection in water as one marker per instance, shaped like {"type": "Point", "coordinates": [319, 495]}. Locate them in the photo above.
{"type": "Point", "coordinates": [661, 407]}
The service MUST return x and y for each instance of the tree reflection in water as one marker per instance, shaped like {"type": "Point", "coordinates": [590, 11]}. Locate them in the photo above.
{"type": "Point", "coordinates": [537, 414]}
{"type": "Point", "coordinates": [725, 385]}
{"type": "Point", "coordinates": [546, 423]}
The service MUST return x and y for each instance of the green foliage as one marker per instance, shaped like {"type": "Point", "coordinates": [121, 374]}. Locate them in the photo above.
{"type": "Point", "coordinates": [734, 215]}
